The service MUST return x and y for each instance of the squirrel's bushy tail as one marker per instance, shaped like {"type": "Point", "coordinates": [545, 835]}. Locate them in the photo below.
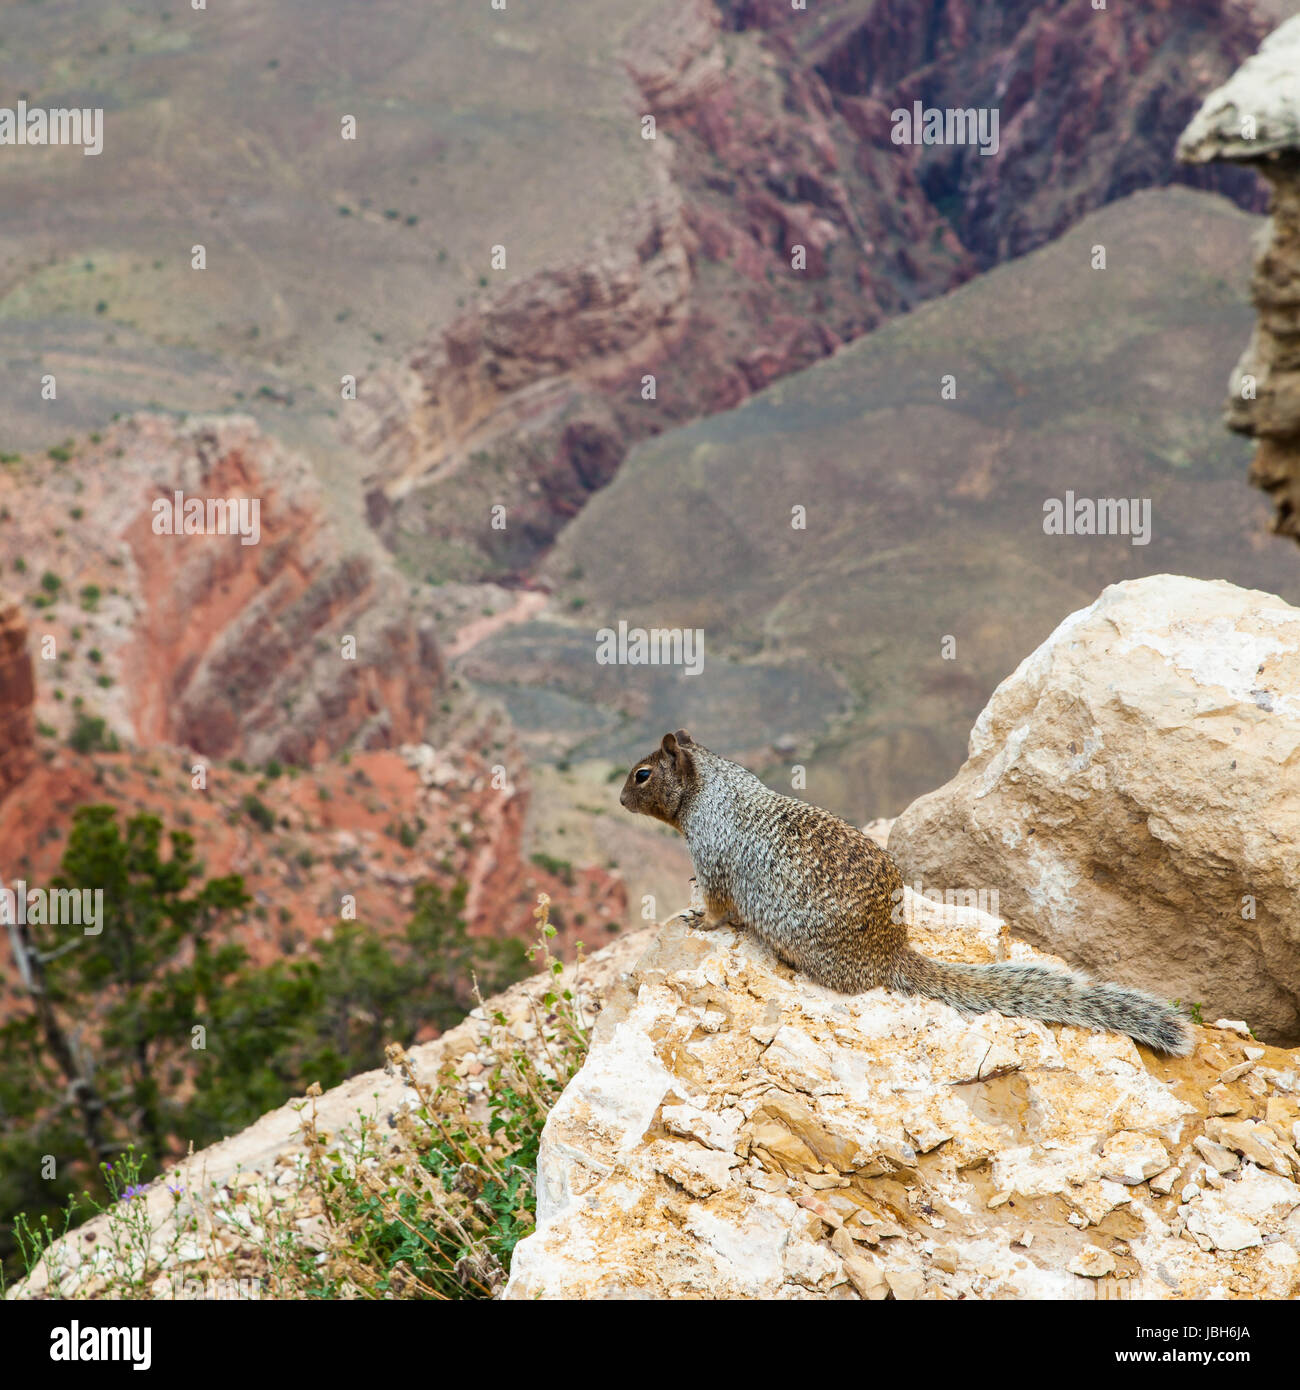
{"type": "Point", "coordinates": [1055, 996]}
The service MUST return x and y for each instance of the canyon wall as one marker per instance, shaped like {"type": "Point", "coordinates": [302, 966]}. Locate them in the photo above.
{"type": "Point", "coordinates": [17, 697]}
{"type": "Point", "coordinates": [1254, 120]}
{"type": "Point", "coordinates": [292, 647]}
{"type": "Point", "coordinates": [779, 220]}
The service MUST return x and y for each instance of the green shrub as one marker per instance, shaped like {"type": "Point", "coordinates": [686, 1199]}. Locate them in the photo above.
{"type": "Point", "coordinates": [561, 868]}
{"type": "Point", "coordinates": [91, 734]}
{"type": "Point", "coordinates": [434, 1206]}
{"type": "Point", "coordinates": [258, 811]}
{"type": "Point", "coordinates": [164, 960]}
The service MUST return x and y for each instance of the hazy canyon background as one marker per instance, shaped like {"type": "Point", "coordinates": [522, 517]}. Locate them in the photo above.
{"type": "Point", "coordinates": [522, 387]}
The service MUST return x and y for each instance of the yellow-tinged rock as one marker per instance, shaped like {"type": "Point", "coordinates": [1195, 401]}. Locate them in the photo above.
{"type": "Point", "coordinates": [867, 1277]}
{"type": "Point", "coordinates": [679, 1164]}
{"type": "Point", "coordinates": [1092, 1262]}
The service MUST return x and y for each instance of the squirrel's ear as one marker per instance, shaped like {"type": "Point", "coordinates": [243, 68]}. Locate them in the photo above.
{"type": "Point", "coordinates": [684, 737]}
{"type": "Point", "coordinates": [676, 750]}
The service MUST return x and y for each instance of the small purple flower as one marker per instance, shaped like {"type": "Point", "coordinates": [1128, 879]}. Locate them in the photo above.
{"type": "Point", "coordinates": [134, 1190]}
{"type": "Point", "coordinates": [175, 1191]}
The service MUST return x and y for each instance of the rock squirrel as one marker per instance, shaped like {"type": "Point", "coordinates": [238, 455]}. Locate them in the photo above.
{"type": "Point", "coordinates": [828, 900]}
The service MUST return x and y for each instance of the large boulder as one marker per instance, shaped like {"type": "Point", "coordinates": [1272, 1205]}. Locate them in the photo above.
{"type": "Point", "coordinates": [739, 1132]}
{"type": "Point", "coordinates": [1132, 793]}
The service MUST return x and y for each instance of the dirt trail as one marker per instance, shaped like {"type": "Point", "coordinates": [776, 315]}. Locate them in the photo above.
{"type": "Point", "coordinates": [528, 604]}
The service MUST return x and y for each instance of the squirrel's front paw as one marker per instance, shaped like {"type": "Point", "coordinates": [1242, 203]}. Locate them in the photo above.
{"type": "Point", "coordinates": [701, 920]}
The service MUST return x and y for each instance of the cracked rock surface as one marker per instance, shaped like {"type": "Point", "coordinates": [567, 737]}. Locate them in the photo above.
{"type": "Point", "coordinates": [738, 1132]}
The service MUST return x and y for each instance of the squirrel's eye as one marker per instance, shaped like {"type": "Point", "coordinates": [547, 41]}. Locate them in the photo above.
{"type": "Point", "coordinates": [641, 774]}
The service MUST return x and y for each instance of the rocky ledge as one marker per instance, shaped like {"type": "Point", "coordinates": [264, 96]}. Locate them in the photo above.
{"type": "Point", "coordinates": [738, 1132]}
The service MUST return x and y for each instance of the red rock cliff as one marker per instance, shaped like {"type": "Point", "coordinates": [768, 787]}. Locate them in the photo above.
{"type": "Point", "coordinates": [200, 640]}
{"type": "Point", "coordinates": [17, 696]}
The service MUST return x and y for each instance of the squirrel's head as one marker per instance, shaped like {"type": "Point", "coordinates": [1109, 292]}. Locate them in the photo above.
{"type": "Point", "coordinates": [658, 785]}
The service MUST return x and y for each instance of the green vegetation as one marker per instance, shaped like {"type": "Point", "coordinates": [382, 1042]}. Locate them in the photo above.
{"type": "Point", "coordinates": [81, 1096]}
{"type": "Point", "coordinates": [258, 811]}
{"type": "Point", "coordinates": [438, 1213]}
{"type": "Point", "coordinates": [406, 834]}
{"type": "Point", "coordinates": [561, 868]}
{"type": "Point", "coordinates": [157, 1031]}
{"type": "Point", "coordinates": [90, 734]}
{"type": "Point", "coordinates": [1193, 1011]}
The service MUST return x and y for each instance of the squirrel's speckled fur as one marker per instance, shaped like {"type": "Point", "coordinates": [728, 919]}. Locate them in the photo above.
{"type": "Point", "coordinates": [827, 899]}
